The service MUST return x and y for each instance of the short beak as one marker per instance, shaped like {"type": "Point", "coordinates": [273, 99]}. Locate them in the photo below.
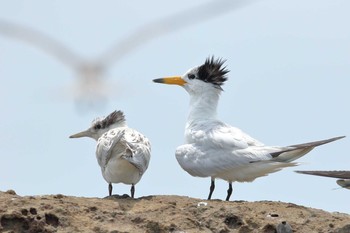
{"type": "Point", "coordinates": [85, 133]}
{"type": "Point", "coordinates": [175, 80]}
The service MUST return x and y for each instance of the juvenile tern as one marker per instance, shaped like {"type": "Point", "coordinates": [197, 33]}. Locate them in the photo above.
{"type": "Point", "coordinates": [344, 176]}
{"type": "Point", "coordinates": [217, 150]}
{"type": "Point", "coordinates": [122, 153]}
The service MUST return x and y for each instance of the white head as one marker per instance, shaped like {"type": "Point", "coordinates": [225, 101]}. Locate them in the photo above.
{"type": "Point", "coordinates": [209, 76]}
{"type": "Point", "coordinates": [101, 125]}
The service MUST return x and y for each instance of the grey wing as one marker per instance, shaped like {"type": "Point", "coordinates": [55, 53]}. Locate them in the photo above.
{"type": "Point", "coordinates": [294, 152]}
{"type": "Point", "coordinates": [334, 174]}
{"type": "Point", "coordinates": [344, 176]}
{"type": "Point", "coordinates": [40, 40]}
{"type": "Point", "coordinates": [105, 146]}
{"type": "Point", "coordinates": [138, 151]}
{"type": "Point", "coordinates": [168, 24]}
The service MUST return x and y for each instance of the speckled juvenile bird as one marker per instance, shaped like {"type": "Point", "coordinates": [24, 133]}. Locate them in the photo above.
{"type": "Point", "coordinates": [122, 153]}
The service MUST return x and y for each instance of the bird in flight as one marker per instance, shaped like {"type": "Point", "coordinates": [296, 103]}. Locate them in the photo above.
{"type": "Point", "coordinates": [122, 153]}
{"type": "Point", "coordinates": [217, 150]}
{"type": "Point", "coordinates": [91, 88]}
{"type": "Point", "coordinates": [344, 176]}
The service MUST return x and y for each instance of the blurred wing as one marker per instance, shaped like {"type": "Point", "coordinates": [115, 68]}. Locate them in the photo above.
{"type": "Point", "coordinates": [138, 150]}
{"type": "Point", "coordinates": [40, 40]}
{"type": "Point", "coordinates": [168, 24]}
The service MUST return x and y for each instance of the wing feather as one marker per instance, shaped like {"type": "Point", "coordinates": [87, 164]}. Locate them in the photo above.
{"type": "Point", "coordinates": [333, 174]}
{"type": "Point", "coordinates": [106, 145]}
{"type": "Point", "coordinates": [211, 161]}
{"type": "Point", "coordinates": [125, 143]}
{"type": "Point", "coordinates": [218, 150]}
{"type": "Point", "coordinates": [219, 134]}
{"type": "Point", "coordinates": [138, 150]}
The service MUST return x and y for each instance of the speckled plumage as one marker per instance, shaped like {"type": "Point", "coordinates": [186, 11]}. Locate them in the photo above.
{"type": "Point", "coordinates": [122, 153]}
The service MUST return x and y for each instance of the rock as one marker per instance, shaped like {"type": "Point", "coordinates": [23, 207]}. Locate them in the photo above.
{"type": "Point", "coordinates": [284, 227]}
{"type": "Point", "coordinates": [269, 228]}
{"type": "Point", "coordinates": [345, 229]}
{"type": "Point", "coordinates": [12, 192]}
{"type": "Point", "coordinates": [173, 214]}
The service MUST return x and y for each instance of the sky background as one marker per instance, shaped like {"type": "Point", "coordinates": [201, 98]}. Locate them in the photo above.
{"type": "Point", "coordinates": [289, 83]}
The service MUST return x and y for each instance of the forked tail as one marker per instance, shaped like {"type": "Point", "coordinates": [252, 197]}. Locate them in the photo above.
{"type": "Point", "coordinates": [294, 152]}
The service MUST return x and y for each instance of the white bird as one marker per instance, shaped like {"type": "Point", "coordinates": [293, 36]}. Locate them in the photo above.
{"type": "Point", "coordinates": [217, 150]}
{"type": "Point", "coordinates": [122, 153]}
{"type": "Point", "coordinates": [344, 176]}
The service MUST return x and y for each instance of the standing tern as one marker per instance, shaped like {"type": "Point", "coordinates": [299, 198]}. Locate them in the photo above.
{"type": "Point", "coordinates": [122, 153]}
{"type": "Point", "coordinates": [344, 176]}
{"type": "Point", "coordinates": [217, 150]}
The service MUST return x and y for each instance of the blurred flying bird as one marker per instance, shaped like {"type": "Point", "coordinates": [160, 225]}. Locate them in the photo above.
{"type": "Point", "coordinates": [91, 89]}
{"type": "Point", "coordinates": [344, 176]}
{"type": "Point", "coordinates": [122, 153]}
{"type": "Point", "coordinates": [217, 150]}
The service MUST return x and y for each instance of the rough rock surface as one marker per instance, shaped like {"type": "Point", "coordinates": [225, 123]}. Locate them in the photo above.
{"type": "Point", "coordinates": [117, 214]}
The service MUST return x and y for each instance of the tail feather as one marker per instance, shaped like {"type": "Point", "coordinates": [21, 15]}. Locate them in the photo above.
{"type": "Point", "coordinates": [317, 143]}
{"type": "Point", "coordinates": [294, 152]}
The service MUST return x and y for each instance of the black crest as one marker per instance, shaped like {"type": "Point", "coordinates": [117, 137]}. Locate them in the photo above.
{"type": "Point", "coordinates": [114, 117]}
{"type": "Point", "coordinates": [213, 71]}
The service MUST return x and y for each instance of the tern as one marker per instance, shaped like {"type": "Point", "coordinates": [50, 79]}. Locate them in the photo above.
{"type": "Point", "coordinates": [122, 153]}
{"type": "Point", "coordinates": [344, 176]}
{"type": "Point", "coordinates": [217, 150]}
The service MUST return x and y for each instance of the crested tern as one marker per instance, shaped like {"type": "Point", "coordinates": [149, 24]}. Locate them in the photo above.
{"type": "Point", "coordinates": [122, 153]}
{"type": "Point", "coordinates": [217, 150]}
{"type": "Point", "coordinates": [344, 176]}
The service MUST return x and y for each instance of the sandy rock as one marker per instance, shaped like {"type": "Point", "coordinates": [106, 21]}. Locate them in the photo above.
{"type": "Point", "coordinates": [152, 214]}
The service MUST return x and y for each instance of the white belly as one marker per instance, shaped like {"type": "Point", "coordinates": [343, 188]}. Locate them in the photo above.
{"type": "Point", "coordinates": [120, 171]}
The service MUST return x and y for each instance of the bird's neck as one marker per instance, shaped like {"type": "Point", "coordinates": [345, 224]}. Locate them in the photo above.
{"type": "Point", "coordinates": [203, 106]}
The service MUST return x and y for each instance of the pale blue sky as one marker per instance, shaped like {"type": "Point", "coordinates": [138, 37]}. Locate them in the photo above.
{"type": "Point", "coordinates": [289, 83]}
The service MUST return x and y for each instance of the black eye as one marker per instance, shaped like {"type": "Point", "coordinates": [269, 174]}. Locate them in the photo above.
{"type": "Point", "coordinates": [191, 76]}
{"type": "Point", "coordinates": [98, 126]}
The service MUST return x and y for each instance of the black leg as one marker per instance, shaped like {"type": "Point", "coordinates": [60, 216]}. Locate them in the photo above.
{"type": "Point", "coordinates": [132, 190]}
{"type": "Point", "coordinates": [229, 191]}
{"type": "Point", "coordinates": [110, 187]}
{"type": "Point", "coordinates": [212, 187]}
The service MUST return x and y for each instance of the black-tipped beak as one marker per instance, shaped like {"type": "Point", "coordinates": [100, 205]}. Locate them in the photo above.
{"type": "Point", "coordinates": [175, 80]}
